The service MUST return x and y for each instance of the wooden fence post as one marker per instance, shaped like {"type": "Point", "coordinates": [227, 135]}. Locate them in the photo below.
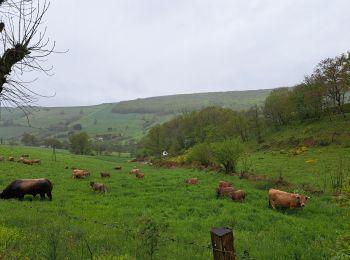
{"type": "Point", "coordinates": [222, 243]}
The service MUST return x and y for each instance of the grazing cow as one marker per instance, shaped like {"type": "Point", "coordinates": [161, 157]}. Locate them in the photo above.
{"type": "Point", "coordinates": [117, 168]}
{"type": "Point", "coordinates": [282, 199]}
{"type": "Point", "coordinates": [238, 195]}
{"type": "Point", "coordinates": [105, 174]}
{"type": "Point", "coordinates": [98, 187]}
{"type": "Point", "coordinates": [191, 181]}
{"type": "Point", "coordinates": [80, 174]}
{"type": "Point", "coordinates": [19, 188]}
{"type": "Point", "coordinates": [11, 158]}
{"type": "Point", "coordinates": [25, 155]}
{"type": "Point", "coordinates": [135, 171]}
{"type": "Point", "coordinates": [36, 161]}
{"type": "Point", "coordinates": [140, 175]}
{"type": "Point", "coordinates": [226, 191]}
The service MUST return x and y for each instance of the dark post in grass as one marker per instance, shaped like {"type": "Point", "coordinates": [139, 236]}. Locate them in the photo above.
{"type": "Point", "coordinates": [222, 243]}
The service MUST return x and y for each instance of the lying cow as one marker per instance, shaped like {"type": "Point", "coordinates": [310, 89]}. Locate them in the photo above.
{"type": "Point", "coordinates": [80, 174]}
{"type": "Point", "coordinates": [98, 187]}
{"type": "Point", "coordinates": [19, 188]}
{"type": "Point", "coordinates": [105, 175]}
{"type": "Point", "coordinates": [11, 158]}
{"type": "Point", "coordinates": [226, 191]}
{"type": "Point", "coordinates": [1, 158]}
{"type": "Point", "coordinates": [140, 175]}
{"type": "Point", "coordinates": [134, 171]}
{"type": "Point", "coordinates": [28, 162]}
{"type": "Point", "coordinates": [224, 184]}
{"type": "Point", "coordinates": [282, 199]}
{"type": "Point", "coordinates": [36, 161]}
{"type": "Point", "coordinates": [238, 195]}
{"type": "Point", "coordinates": [191, 181]}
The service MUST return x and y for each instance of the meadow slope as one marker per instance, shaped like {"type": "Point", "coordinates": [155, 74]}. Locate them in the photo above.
{"type": "Point", "coordinates": [119, 224]}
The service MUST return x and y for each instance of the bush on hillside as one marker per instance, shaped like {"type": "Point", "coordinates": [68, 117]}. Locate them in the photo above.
{"type": "Point", "coordinates": [227, 153]}
{"type": "Point", "coordinates": [201, 153]}
{"type": "Point", "coordinates": [80, 144]}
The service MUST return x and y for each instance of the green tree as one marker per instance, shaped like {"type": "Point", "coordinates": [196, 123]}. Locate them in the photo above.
{"type": "Point", "coordinates": [79, 143]}
{"type": "Point", "coordinates": [28, 139]}
{"type": "Point", "coordinates": [53, 142]}
{"type": "Point", "coordinates": [227, 153]}
{"type": "Point", "coordinates": [201, 153]}
{"type": "Point", "coordinates": [277, 107]}
{"type": "Point", "coordinates": [334, 73]}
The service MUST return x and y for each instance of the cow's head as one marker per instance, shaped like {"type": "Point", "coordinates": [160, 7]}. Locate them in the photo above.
{"type": "Point", "coordinates": [301, 200]}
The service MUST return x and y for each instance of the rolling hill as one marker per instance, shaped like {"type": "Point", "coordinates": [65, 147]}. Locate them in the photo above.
{"type": "Point", "coordinates": [126, 119]}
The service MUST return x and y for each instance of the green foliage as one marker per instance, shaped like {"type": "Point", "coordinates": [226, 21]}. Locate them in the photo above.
{"type": "Point", "coordinates": [79, 143]}
{"type": "Point", "coordinates": [227, 153]}
{"type": "Point", "coordinates": [201, 153]}
{"type": "Point", "coordinates": [28, 139]}
{"type": "Point", "coordinates": [53, 142]}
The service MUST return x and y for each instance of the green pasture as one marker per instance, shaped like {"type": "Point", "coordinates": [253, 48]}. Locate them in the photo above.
{"type": "Point", "coordinates": [137, 219]}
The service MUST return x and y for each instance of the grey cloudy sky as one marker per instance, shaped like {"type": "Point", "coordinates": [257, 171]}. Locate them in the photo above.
{"type": "Point", "coordinates": [128, 49]}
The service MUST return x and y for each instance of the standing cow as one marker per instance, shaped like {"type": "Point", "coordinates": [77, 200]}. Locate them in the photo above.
{"type": "Point", "coordinates": [282, 199]}
{"type": "Point", "coordinates": [21, 187]}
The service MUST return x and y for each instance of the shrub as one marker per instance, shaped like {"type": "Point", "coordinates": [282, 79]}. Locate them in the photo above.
{"type": "Point", "coordinates": [227, 153]}
{"type": "Point", "coordinates": [201, 153]}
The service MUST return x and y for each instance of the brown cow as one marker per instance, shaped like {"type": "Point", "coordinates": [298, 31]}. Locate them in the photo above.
{"type": "Point", "coordinates": [191, 181]}
{"type": "Point", "coordinates": [80, 174]}
{"type": "Point", "coordinates": [36, 161]}
{"type": "Point", "coordinates": [29, 162]}
{"type": "Point", "coordinates": [105, 174]}
{"type": "Point", "coordinates": [238, 195]}
{"type": "Point", "coordinates": [140, 175]}
{"type": "Point", "coordinates": [224, 184]}
{"type": "Point", "coordinates": [134, 171]}
{"type": "Point", "coordinates": [282, 199]}
{"type": "Point", "coordinates": [226, 191]}
{"type": "Point", "coordinates": [11, 158]}
{"type": "Point", "coordinates": [98, 187]}
{"type": "Point", "coordinates": [1, 158]}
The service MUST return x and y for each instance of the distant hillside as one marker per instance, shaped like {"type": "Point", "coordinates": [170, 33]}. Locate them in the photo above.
{"type": "Point", "coordinates": [236, 100]}
{"type": "Point", "coordinates": [124, 121]}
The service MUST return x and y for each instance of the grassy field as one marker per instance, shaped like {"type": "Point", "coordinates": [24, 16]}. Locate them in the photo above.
{"type": "Point", "coordinates": [236, 100]}
{"type": "Point", "coordinates": [123, 223]}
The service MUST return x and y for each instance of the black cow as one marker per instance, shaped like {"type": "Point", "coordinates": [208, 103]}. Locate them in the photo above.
{"type": "Point", "coordinates": [19, 188]}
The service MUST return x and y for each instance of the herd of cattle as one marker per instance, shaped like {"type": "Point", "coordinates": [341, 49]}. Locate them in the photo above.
{"type": "Point", "coordinates": [21, 187]}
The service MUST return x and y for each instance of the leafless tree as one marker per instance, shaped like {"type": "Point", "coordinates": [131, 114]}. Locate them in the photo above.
{"type": "Point", "coordinates": [24, 47]}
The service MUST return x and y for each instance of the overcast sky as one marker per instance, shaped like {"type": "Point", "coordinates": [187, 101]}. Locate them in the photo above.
{"type": "Point", "coordinates": [128, 49]}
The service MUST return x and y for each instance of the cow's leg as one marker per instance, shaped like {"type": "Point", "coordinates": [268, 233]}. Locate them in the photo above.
{"type": "Point", "coordinates": [49, 195]}
{"type": "Point", "coordinates": [271, 204]}
{"type": "Point", "coordinates": [42, 196]}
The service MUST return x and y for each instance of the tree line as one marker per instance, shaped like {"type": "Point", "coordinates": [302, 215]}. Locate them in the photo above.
{"type": "Point", "coordinates": [321, 94]}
